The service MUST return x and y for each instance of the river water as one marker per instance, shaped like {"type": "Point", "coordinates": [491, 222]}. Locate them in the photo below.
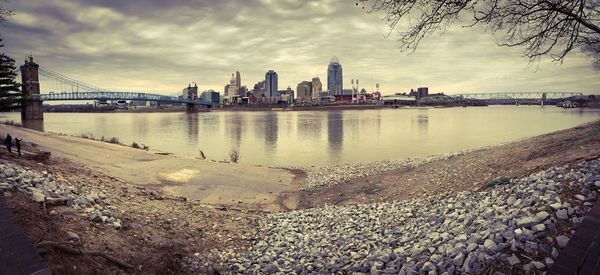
{"type": "Point", "coordinates": [318, 138]}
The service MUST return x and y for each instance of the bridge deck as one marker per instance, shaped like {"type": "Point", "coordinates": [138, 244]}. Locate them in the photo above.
{"type": "Point", "coordinates": [106, 95]}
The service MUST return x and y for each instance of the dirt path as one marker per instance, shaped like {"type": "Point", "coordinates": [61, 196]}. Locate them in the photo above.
{"type": "Point", "coordinates": [468, 171]}
{"type": "Point", "coordinates": [206, 181]}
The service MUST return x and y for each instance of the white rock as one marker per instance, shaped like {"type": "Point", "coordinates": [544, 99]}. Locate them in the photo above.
{"type": "Point", "coordinates": [556, 206]}
{"type": "Point", "coordinates": [562, 241]}
{"type": "Point", "coordinates": [543, 215]}
{"type": "Point", "coordinates": [539, 227]}
{"type": "Point", "coordinates": [538, 265]}
{"type": "Point", "coordinates": [38, 196]}
{"type": "Point", "coordinates": [489, 245]}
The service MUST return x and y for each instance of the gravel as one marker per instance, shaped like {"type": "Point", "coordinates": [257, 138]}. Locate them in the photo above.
{"type": "Point", "coordinates": [44, 187]}
{"type": "Point", "coordinates": [326, 176]}
{"type": "Point", "coordinates": [464, 232]}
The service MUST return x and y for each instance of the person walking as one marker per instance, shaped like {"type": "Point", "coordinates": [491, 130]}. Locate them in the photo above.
{"type": "Point", "coordinates": [18, 144]}
{"type": "Point", "coordinates": [8, 142]}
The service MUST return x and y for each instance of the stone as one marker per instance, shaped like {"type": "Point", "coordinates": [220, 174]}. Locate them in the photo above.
{"type": "Point", "coordinates": [489, 245]}
{"type": "Point", "coordinates": [513, 260]}
{"type": "Point", "coordinates": [554, 253]}
{"type": "Point", "coordinates": [562, 241]}
{"type": "Point", "coordinates": [562, 214]}
{"type": "Point", "coordinates": [428, 266]}
{"type": "Point", "coordinates": [38, 196]}
{"type": "Point", "coordinates": [580, 197]}
{"type": "Point", "coordinates": [538, 265]}
{"type": "Point", "coordinates": [556, 206]}
{"type": "Point", "coordinates": [96, 216]}
{"type": "Point", "coordinates": [539, 227]}
{"type": "Point", "coordinates": [543, 215]}
{"type": "Point", "coordinates": [549, 261]}
{"type": "Point", "coordinates": [458, 259]}
{"type": "Point", "coordinates": [9, 172]}
{"type": "Point", "coordinates": [107, 213]}
{"type": "Point", "coordinates": [73, 236]}
{"type": "Point", "coordinates": [471, 247]}
{"type": "Point", "coordinates": [527, 221]}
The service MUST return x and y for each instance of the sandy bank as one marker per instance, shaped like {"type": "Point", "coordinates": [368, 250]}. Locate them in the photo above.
{"type": "Point", "coordinates": [208, 182]}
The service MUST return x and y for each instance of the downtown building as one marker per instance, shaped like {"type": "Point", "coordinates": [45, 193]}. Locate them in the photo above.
{"type": "Point", "coordinates": [335, 80]}
{"type": "Point", "coordinates": [271, 83]}
{"type": "Point", "coordinates": [304, 91]}
{"type": "Point", "coordinates": [234, 90]}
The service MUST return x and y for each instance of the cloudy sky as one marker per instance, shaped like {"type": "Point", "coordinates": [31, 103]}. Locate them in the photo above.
{"type": "Point", "coordinates": [161, 46]}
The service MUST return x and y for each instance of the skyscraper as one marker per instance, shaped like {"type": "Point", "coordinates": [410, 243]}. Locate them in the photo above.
{"type": "Point", "coordinates": [232, 89]}
{"type": "Point", "coordinates": [238, 81]}
{"type": "Point", "coordinates": [271, 83]}
{"type": "Point", "coordinates": [335, 81]}
{"type": "Point", "coordinates": [316, 87]}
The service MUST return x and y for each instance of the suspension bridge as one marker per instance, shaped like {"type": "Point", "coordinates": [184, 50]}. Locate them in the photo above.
{"type": "Point", "coordinates": [73, 89]}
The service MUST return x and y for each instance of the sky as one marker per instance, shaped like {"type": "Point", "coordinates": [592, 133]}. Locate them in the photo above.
{"type": "Point", "coordinates": [161, 46]}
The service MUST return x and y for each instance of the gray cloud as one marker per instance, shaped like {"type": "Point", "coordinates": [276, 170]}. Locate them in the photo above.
{"type": "Point", "coordinates": [160, 46]}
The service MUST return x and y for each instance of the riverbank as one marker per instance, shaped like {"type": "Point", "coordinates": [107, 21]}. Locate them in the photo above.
{"type": "Point", "coordinates": [461, 219]}
{"type": "Point", "coordinates": [208, 182]}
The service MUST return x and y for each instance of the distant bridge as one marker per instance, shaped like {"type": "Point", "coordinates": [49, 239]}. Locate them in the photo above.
{"type": "Point", "coordinates": [499, 98]}
{"type": "Point", "coordinates": [519, 95]}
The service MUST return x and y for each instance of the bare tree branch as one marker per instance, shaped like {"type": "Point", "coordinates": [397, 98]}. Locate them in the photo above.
{"type": "Point", "coordinates": [552, 28]}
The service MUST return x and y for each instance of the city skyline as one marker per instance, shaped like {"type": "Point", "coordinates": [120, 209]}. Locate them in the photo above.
{"type": "Point", "coordinates": [160, 47]}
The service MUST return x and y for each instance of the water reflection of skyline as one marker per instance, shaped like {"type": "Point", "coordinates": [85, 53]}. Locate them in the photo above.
{"type": "Point", "coordinates": [271, 133]}
{"type": "Point", "coordinates": [234, 129]}
{"type": "Point", "coordinates": [335, 134]}
{"type": "Point", "coordinates": [193, 128]}
{"type": "Point", "coordinates": [301, 138]}
{"type": "Point", "coordinates": [422, 123]}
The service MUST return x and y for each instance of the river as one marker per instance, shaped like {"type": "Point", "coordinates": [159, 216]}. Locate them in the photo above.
{"type": "Point", "coordinates": [305, 138]}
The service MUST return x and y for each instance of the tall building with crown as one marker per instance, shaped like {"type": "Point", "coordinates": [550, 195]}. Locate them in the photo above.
{"type": "Point", "coordinates": [335, 80]}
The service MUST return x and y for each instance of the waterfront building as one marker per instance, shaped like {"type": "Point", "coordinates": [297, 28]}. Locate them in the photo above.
{"type": "Point", "coordinates": [243, 91]}
{"type": "Point", "coordinates": [335, 80]}
{"type": "Point", "coordinates": [397, 99]}
{"type": "Point", "coordinates": [259, 89]}
{"type": "Point", "coordinates": [271, 82]}
{"type": "Point", "coordinates": [422, 92]}
{"type": "Point", "coordinates": [317, 87]}
{"type": "Point", "coordinates": [286, 95]}
{"type": "Point", "coordinates": [304, 91]}
{"type": "Point", "coordinates": [345, 95]}
{"type": "Point", "coordinates": [210, 97]}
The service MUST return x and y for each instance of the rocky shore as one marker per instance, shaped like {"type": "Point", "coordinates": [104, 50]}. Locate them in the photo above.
{"type": "Point", "coordinates": [45, 188]}
{"type": "Point", "coordinates": [517, 226]}
{"type": "Point", "coordinates": [330, 175]}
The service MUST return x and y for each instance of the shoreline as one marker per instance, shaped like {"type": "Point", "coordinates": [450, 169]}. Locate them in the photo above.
{"type": "Point", "coordinates": [522, 223]}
